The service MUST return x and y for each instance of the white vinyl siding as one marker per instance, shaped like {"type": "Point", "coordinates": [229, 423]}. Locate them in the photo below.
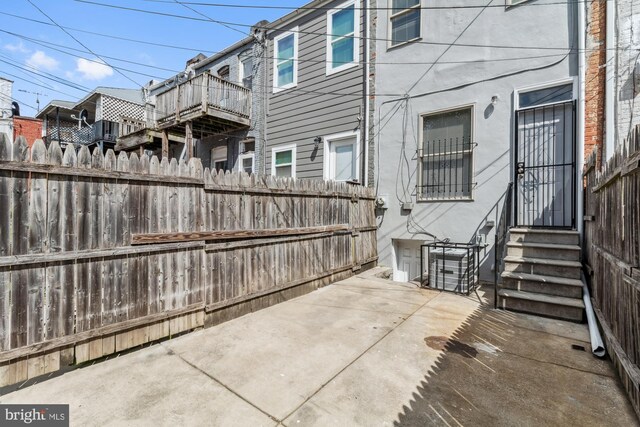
{"type": "Point", "coordinates": [404, 21]}
{"type": "Point", "coordinates": [285, 63]}
{"type": "Point", "coordinates": [342, 47]}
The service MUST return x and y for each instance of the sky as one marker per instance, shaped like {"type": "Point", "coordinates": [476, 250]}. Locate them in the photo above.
{"type": "Point", "coordinates": [42, 59]}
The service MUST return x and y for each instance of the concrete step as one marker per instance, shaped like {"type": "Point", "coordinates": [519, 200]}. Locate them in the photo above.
{"type": "Point", "coordinates": [536, 283]}
{"type": "Point", "coordinates": [545, 267]}
{"type": "Point", "coordinates": [541, 235]}
{"type": "Point", "coordinates": [544, 250]}
{"type": "Point", "coordinates": [543, 305]}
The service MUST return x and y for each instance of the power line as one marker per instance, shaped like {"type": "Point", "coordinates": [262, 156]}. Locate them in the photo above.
{"type": "Point", "coordinates": [111, 36]}
{"type": "Point", "coordinates": [80, 43]}
{"type": "Point", "coordinates": [49, 45]}
{"type": "Point", "coordinates": [41, 42]}
{"type": "Point", "coordinates": [254, 6]}
{"type": "Point", "coordinates": [152, 12]}
{"type": "Point", "coordinates": [209, 18]}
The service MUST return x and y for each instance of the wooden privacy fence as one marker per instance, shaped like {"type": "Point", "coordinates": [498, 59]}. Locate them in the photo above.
{"type": "Point", "coordinates": [100, 253]}
{"type": "Point", "coordinates": [611, 253]}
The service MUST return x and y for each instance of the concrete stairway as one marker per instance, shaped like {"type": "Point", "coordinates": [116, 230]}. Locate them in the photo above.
{"type": "Point", "coordinates": [542, 274]}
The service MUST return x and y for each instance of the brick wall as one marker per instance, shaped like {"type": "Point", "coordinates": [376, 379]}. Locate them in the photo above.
{"type": "Point", "coordinates": [28, 127]}
{"type": "Point", "coordinates": [595, 77]}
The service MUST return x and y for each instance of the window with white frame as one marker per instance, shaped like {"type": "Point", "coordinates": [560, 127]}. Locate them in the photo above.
{"type": "Point", "coordinates": [246, 163]}
{"type": "Point", "coordinates": [246, 71]}
{"type": "Point", "coordinates": [404, 21]}
{"type": "Point", "coordinates": [283, 161]}
{"type": "Point", "coordinates": [285, 66]}
{"type": "Point", "coordinates": [342, 46]}
{"type": "Point", "coordinates": [341, 158]}
{"type": "Point", "coordinates": [446, 155]}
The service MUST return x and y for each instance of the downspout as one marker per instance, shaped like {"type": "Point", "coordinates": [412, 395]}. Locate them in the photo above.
{"type": "Point", "coordinates": [582, 28]}
{"type": "Point", "coordinates": [609, 109]}
{"type": "Point", "coordinates": [366, 82]}
{"type": "Point", "coordinates": [597, 346]}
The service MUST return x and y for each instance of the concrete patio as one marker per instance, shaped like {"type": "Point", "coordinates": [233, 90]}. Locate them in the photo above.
{"type": "Point", "coordinates": [364, 351]}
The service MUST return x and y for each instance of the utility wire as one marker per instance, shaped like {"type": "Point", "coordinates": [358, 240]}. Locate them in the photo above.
{"type": "Point", "coordinates": [327, 34]}
{"type": "Point", "coordinates": [209, 18]}
{"type": "Point", "coordinates": [255, 6]}
{"type": "Point", "coordinates": [82, 44]}
{"type": "Point", "coordinates": [111, 36]}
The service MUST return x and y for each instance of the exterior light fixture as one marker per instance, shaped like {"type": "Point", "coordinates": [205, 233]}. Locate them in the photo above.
{"type": "Point", "coordinates": [494, 99]}
{"type": "Point", "coordinates": [316, 142]}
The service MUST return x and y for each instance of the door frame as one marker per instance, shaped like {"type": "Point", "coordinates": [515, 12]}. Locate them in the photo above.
{"type": "Point", "coordinates": [572, 163]}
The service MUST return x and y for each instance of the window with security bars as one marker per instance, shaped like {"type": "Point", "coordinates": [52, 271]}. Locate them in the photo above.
{"type": "Point", "coordinates": [446, 156]}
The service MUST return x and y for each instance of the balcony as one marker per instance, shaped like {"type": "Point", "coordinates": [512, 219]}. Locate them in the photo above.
{"type": "Point", "coordinates": [210, 103]}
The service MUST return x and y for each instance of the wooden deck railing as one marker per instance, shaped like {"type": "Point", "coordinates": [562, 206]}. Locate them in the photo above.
{"type": "Point", "coordinates": [202, 93]}
{"type": "Point", "coordinates": [129, 126]}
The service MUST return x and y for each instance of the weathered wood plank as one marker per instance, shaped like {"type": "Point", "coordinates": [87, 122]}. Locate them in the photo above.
{"type": "Point", "coordinates": [36, 287]}
{"type": "Point", "coordinates": [231, 234]}
{"type": "Point", "coordinates": [6, 244]}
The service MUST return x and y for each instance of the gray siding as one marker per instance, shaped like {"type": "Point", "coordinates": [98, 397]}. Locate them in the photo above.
{"type": "Point", "coordinates": [312, 108]}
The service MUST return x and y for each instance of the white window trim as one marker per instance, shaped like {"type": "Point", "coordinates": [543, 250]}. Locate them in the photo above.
{"type": "Point", "coordinates": [294, 32]}
{"type": "Point", "coordinates": [419, 197]}
{"type": "Point", "coordinates": [251, 156]}
{"type": "Point", "coordinates": [282, 148]}
{"type": "Point", "coordinates": [391, 15]}
{"type": "Point", "coordinates": [356, 37]}
{"type": "Point", "coordinates": [545, 85]}
{"type": "Point", "coordinates": [241, 59]}
{"type": "Point", "coordinates": [328, 158]}
{"type": "Point", "coordinates": [218, 158]}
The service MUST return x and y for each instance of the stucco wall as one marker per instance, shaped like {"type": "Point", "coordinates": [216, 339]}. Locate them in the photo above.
{"type": "Point", "coordinates": [455, 81]}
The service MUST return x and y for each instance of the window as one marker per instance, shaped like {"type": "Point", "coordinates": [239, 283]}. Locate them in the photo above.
{"type": "Point", "coordinates": [246, 72]}
{"type": "Point", "coordinates": [223, 72]}
{"type": "Point", "coordinates": [285, 67]}
{"type": "Point", "coordinates": [219, 158]}
{"type": "Point", "coordinates": [341, 158]}
{"type": "Point", "coordinates": [342, 46]}
{"type": "Point", "coordinates": [246, 163]}
{"type": "Point", "coordinates": [446, 155]}
{"type": "Point", "coordinates": [283, 161]}
{"type": "Point", "coordinates": [548, 95]}
{"type": "Point", "coordinates": [405, 21]}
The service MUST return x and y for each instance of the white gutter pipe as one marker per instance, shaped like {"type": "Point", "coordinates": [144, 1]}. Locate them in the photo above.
{"type": "Point", "coordinates": [597, 345]}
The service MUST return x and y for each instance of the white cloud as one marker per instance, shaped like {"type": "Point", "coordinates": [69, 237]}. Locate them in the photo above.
{"type": "Point", "coordinates": [93, 70]}
{"type": "Point", "coordinates": [42, 61]}
{"type": "Point", "coordinates": [16, 47]}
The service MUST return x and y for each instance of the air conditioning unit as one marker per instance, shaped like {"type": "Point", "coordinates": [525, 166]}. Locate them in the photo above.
{"type": "Point", "coordinates": [452, 269]}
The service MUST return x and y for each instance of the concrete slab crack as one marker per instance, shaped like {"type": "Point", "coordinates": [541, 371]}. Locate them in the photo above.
{"type": "Point", "coordinates": [211, 377]}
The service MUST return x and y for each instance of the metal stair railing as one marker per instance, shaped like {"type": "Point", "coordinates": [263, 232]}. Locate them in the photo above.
{"type": "Point", "coordinates": [502, 232]}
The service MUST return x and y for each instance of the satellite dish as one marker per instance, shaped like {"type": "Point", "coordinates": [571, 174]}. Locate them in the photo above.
{"type": "Point", "coordinates": [15, 109]}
